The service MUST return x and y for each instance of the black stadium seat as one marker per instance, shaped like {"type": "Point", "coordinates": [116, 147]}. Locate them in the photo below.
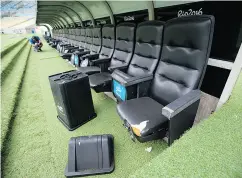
{"type": "Point", "coordinates": [146, 54]}
{"type": "Point", "coordinates": [124, 48]}
{"type": "Point", "coordinates": [171, 103]}
{"type": "Point", "coordinates": [81, 40]}
{"type": "Point", "coordinates": [63, 39]}
{"type": "Point", "coordinates": [72, 41]}
{"type": "Point", "coordinates": [108, 42]}
{"type": "Point", "coordinates": [67, 41]}
{"type": "Point", "coordinates": [83, 50]}
{"type": "Point", "coordinates": [95, 47]}
{"type": "Point", "coordinates": [90, 49]}
{"type": "Point", "coordinates": [56, 38]}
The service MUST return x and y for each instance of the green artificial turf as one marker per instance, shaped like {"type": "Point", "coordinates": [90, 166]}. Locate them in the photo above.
{"type": "Point", "coordinates": [212, 149]}
{"type": "Point", "coordinates": [10, 87]}
{"type": "Point", "coordinates": [38, 143]}
{"type": "Point", "coordinates": [9, 59]}
{"type": "Point", "coordinates": [7, 40]}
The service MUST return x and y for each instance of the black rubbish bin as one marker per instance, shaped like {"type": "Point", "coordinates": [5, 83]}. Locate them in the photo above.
{"type": "Point", "coordinates": [73, 99]}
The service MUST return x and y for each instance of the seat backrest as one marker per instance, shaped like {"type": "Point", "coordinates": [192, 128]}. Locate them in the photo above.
{"type": "Point", "coordinates": [73, 34]}
{"type": "Point", "coordinates": [57, 34]}
{"type": "Point", "coordinates": [97, 40]}
{"type": "Point", "coordinates": [89, 38]}
{"type": "Point", "coordinates": [75, 31]}
{"type": "Point", "coordinates": [60, 34]}
{"type": "Point", "coordinates": [81, 37]}
{"type": "Point", "coordinates": [70, 35]}
{"type": "Point", "coordinates": [147, 48]}
{"type": "Point", "coordinates": [78, 34]}
{"type": "Point", "coordinates": [124, 46]}
{"type": "Point", "coordinates": [108, 41]}
{"type": "Point", "coordinates": [185, 52]}
{"type": "Point", "coordinates": [66, 34]}
{"type": "Point", "coordinates": [54, 33]}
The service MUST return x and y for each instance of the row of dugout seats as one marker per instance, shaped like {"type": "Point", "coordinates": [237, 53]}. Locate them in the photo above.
{"type": "Point", "coordinates": [154, 69]}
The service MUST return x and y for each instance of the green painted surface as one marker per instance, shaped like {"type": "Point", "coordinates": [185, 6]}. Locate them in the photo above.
{"type": "Point", "coordinates": [9, 40]}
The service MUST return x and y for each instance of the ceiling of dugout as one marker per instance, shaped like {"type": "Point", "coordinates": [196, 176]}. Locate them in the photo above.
{"type": "Point", "coordinates": [71, 12]}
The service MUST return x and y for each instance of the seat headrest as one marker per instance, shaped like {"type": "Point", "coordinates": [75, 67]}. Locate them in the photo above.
{"type": "Point", "coordinates": [65, 30]}
{"type": "Point", "coordinates": [89, 32]}
{"type": "Point", "coordinates": [108, 31]}
{"type": "Point", "coordinates": [83, 32]}
{"type": "Point", "coordinates": [96, 32]}
{"type": "Point", "coordinates": [125, 31]}
{"type": "Point", "coordinates": [78, 31]}
{"type": "Point", "coordinates": [154, 28]}
{"type": "Point", "coordinates": [190, 32]}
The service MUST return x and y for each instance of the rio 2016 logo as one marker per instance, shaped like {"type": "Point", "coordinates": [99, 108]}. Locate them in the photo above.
{"type": "Point", "coordinates": [181, 13]}
{"type": "Point", "coordinates": [128, 18]}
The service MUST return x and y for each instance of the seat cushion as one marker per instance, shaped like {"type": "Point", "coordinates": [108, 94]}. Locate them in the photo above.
{"type": "Point", "coordinates": [89, 70]}
{"type": "Point", "coordinates": [100, 79]}
{"type": "Point", "coordinates": [144, 114]}
{"type": "Point", "coordinates": [66, 55]}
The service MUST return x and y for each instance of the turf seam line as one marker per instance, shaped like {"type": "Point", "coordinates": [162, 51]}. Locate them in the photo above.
{"type": "Point", "coordinates": [49, 57]}
{"type": "Point", "coordinates": [12, 115]}
{"type": "Point", "coordinates": [11, 65]}
{"type": "Point", "coordinates": [8, 49]}
{"type": "Point", "coordinates": [4, 71]}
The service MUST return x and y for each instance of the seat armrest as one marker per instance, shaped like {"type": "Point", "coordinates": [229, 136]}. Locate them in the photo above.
{"type": "Point", "coordinates": [181, 114]}
{"type": "Point", "coordinates": [119, 67]}
{"type": "Point", "coordinates": [181, 103]}
{"type": "Point", "coordinates": [120, 76]}
{"type": "Point", "coordinates": [90, 56]}
{"type": "Point", "coordinates": [83, 53]}
{"type": "Point", "coordinates": [99, 61]}
{"type": "Point", "coordinates": [80, 52]}
{"type": "Point", "coordinates": [126, 80]}
{"type": "Point", "coordinates": [65, 44]}
{"type": "Point", "coordinates": [72, 47]}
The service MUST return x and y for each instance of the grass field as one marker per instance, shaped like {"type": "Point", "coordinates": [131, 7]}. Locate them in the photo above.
{"type": "Point", "coordinates": [8, 40]}
{"type": "Point", "coordinates": [37, 143]}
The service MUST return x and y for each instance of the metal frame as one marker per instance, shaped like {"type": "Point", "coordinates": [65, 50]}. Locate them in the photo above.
{"type": "Point", "coordinates": [48, 28]}
{"type": "Point", "coordinates": [88, 11]}
{"type": "Point", "coordinates": [51, 23]}
{"type": "Point", "coordinates": [151, 11]}
{"type": "Point", "coordinates": [233, 76]}
{"type": "Point", "coordinates": [67, 8]}
{"type": "Point", "coordinates": [110, 11]}
{"type": "Point", "coordinates": [55, 19]}
{"type": "Point", "coordinates": [54, 26]}
{"type": "Point", "coordinates": [57, 24]}
{"type": "Point", "coordinates": [219, 63]}
{"type": "Point", "coordinates": [55, 12]}
{"type": "Point", "coordinates": [58, 10]}
{"type": "Point", "coordinates": [55, 15]}
{"type": "Point", "coordinates": [45, 25]}
{"type": "Point", "coordinates": [63, 21]}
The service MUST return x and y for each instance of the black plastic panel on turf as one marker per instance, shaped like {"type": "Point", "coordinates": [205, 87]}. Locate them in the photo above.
{"type": "Point", "coordinates": [90, 155]}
